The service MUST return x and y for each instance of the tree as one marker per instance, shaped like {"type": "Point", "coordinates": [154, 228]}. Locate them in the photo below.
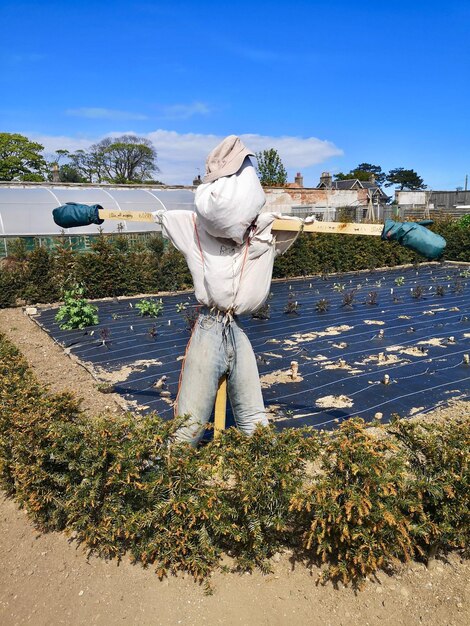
{"type": "Point", "coordinates": [364, 172]}
{"type": "Point", "coordinates": [20, 158]}
{"type": "Point", "coordinates": [271, 171]}
{"type": "Point", "coordinates": [406, 179]}
{"type": "Point", "coordinates": [70, 174]}
{"type": "Point", "coordinates": [125, 159]}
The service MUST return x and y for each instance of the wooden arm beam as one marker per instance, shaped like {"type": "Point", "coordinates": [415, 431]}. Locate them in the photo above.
{"type": "Point", "coordinates": [345, 228]}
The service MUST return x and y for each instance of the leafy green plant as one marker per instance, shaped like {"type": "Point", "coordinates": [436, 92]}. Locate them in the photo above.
{"type": "Point", "coordinates": [464, 222]}
{"type": "Point", "coordinates": [399, 281]}
{"type": "Point", "coordinates": [76, 312]}
{"type": "Point", "coordinates": [440, 290]}
{"type": "Point", "coordinates": [150, 307]}
{"type": "Point", "coordinates": [181, 306]}
{"type": "Point", "coordinates": [339, 287]}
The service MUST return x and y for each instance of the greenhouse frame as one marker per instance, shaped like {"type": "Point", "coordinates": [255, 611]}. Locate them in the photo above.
{"type": "Point", "coordinates": [26, 211]}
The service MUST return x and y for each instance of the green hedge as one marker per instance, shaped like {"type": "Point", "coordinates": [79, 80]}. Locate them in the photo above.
{"type": "Point", "coordinates": [118, 484]}
{"type": "Point", "coordinates": [114, 268]}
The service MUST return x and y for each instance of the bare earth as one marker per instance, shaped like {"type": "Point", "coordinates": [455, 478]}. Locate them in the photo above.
{"type": "Point", "coordinates": [46, 580]}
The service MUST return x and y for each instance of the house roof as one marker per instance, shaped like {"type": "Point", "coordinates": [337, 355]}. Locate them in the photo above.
{"type": "Point", "coordinates": [353, 183]}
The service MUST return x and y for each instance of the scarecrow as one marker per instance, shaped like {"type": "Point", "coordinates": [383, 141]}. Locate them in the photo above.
{"type": "Point", "coordinates": [230, 247]}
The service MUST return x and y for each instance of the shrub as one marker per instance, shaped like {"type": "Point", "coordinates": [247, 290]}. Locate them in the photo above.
{"type": "Point", "coordinates": [438, 458]}
{"type": "Point", "coordinates": [350, 500]}
{"type": "Point", "coordinates": [352, 512]}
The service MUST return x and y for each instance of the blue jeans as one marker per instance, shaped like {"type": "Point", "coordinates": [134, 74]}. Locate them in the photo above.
{"type": "Point", "coordinates": [218, 347]}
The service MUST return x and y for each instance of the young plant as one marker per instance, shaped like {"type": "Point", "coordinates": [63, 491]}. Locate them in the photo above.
{"type": "Point", "coordinates": [263, 313]}
{"type": "Point", "coordinates": [105, 334]}
{"type": "Point", "coordinates": [399, 281]}
{"type": "Point", "coordinates": [339, 287]}
{"type": "Point", "coordinates": [292, 306]}
{"type": "Point", "coordinates": [150, 308]}
{"type": "Point", "coordinates": [76, 312]}
{"type": "Point", "coordinates": [458, 286]}
{"type": "Point", "coordinates": [322, 306]}
{"type": "Point", "coordinates": [181, 306]}
{"type": "Point", "coordinates": [418, 292]}
{"type": "Point", "coordinates": [372, 298]}
{"type": "Point", "coordinates": [348, 298]}
{"type": "Point", "coordinates": [440, 290]}
{"type": "Point", "coordinates": [152, 332]}
{"type": "Point", "coordinates": [190, 317]}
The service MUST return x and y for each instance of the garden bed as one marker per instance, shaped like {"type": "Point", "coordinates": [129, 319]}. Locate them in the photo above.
{"type": "Point", "coordinates": [409, 323]}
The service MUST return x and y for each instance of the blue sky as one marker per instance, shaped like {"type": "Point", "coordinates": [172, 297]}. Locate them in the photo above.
{"type": "Point", "coordinates": [329, 84]}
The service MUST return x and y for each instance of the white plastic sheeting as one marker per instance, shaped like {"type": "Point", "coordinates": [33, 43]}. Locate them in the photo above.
{"type": "Point", "coordinates": [27, 211]}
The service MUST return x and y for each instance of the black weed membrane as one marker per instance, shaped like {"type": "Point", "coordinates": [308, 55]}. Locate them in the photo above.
{"type": "Point", "coordinates": [380, 342]}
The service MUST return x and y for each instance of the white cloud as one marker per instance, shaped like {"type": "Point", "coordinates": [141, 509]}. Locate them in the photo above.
{"type": "Point", "coordinates": [98, 113]}
{"type": "Point", "coordinates": [185, 111]}
{"type": "Point", "coordinates": [182, 155]}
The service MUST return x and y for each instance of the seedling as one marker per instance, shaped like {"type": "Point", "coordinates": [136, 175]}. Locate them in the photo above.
{"type": "Point", "coordinates": [440, 290]}
{"type": "Point", "coordinates": [105, 334]}
{"type": "Point", "coordinates": [339, 287]}
{"type": "Point", "coordinates": [418, 292]}
{"type": "Point", "coordinates": [190, 317]}
{"type": "Point", "coordinates": [372, 298]}
{"type": "Point", "coordinates": [465, 274]}
{"type": "Point", "coordinates": [263, 313]}
{"type": "Point", "coordinates": [152, 332]}
{"type": "Point", "coordinates": [181, 306]}
{"type": "Point", "coordinates": [322, 305]}
{"type": "Point", "coordinates": [292, 307]}
{"type": "Point", "coordinates": [150, 308]}
{"type": "Point", "coordinates": [348, 298]}
{"type": "Point", "coordinates": [458, 286]}
{"type": "Point", "coordinates": [76, 312]}
{"type": "Point", "coordinates": [399, 281]}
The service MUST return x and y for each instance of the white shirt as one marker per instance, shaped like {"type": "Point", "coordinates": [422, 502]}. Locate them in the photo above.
{"type": "Point", "coordinates": [228, 276]}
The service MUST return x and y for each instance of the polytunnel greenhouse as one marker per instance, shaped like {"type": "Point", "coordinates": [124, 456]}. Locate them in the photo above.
{"type": "Point", "coordinates": [26, 210]}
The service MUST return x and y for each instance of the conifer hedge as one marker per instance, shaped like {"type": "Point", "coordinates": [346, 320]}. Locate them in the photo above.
{"type": "Point", "coordinates": [113, 267]}
{"type": "Point", "coordinates": [351, 501]}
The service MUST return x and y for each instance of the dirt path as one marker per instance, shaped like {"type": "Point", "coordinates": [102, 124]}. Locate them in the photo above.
{"type": "Point", "coordinates": [45, 580]}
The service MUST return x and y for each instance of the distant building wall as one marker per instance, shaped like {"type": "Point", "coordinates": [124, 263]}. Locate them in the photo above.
{"type": "Point", "coordinates": [282, 199]}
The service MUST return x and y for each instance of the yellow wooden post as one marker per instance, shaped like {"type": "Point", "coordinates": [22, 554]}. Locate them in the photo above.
{"type": "Point", "coordinates": [220, 407]}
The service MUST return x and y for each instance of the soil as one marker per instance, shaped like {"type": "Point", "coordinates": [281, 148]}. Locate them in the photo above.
{"type": "Point", "coordinates": [48, 580]}
{"type": "Point", "coordinates": [337, 402]}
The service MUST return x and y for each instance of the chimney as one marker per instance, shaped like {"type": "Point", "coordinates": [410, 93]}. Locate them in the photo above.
{"type": "Point", "coordinates": [326, 179]}
{"type": "Point", "coordinates": [299, 179]}
{"type": "Point", "coordinates": [55, 173]}
{"type": "Point", "coordinates": [372, 178]}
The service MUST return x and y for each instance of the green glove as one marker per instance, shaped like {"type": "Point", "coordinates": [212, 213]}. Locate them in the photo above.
{"type": "Point", "coordinates": [71, 215]}
{"type": "Point", "coordinates": [415, 236]}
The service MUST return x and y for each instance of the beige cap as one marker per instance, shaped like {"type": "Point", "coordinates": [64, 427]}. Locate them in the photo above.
{"type": "Point", "coordinates": [226, 159]}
